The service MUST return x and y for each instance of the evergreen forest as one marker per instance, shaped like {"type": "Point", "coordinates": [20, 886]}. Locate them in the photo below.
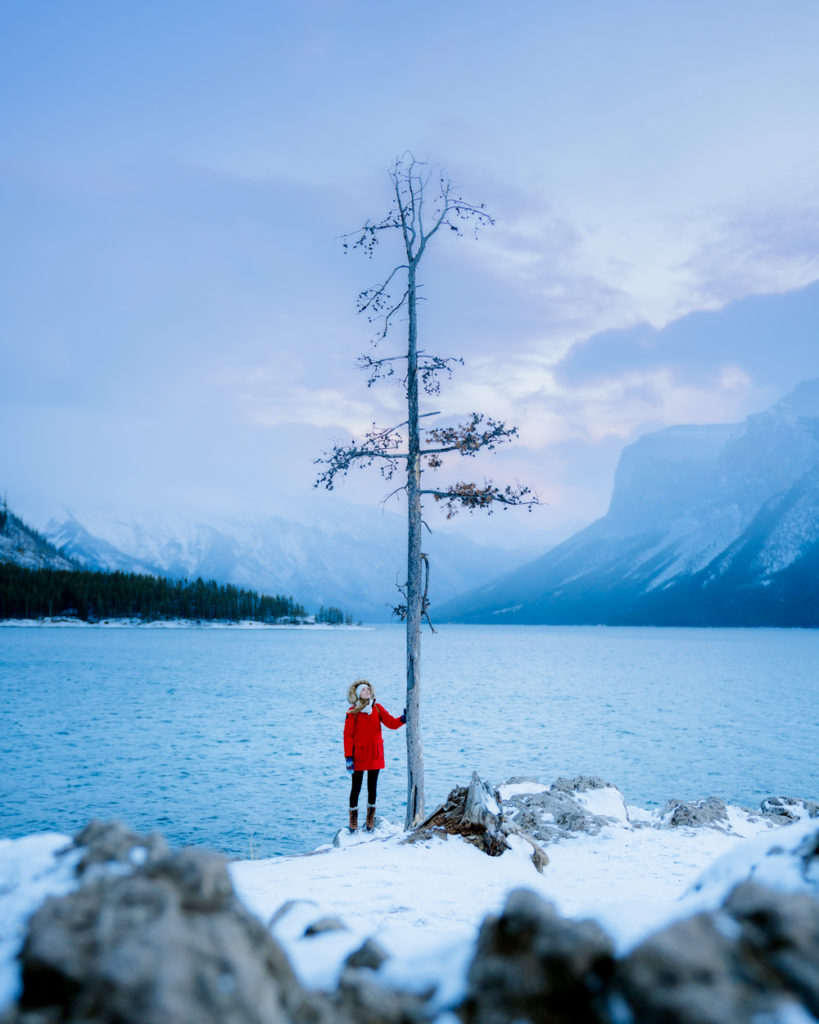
{"type": "Point", "coordinates": [92, 596]}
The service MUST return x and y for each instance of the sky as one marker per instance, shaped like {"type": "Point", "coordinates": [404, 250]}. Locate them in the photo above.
{"type": "Point", "coordinates": [177, 315]}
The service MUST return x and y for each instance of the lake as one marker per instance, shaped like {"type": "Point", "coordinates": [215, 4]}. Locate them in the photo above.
{"type": "Point", "coordinates": [231, 738]}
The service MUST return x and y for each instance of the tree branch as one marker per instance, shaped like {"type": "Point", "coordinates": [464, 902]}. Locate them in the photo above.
{"type": "Point", "coordinates": [469, 438]}
{"type": "Point", "coordinates": [469, 496]}
{"type": "Point", "coordinates": [376, 445]}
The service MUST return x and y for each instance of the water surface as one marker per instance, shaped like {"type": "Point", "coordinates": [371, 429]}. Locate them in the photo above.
{"type": "Point", "coordinates": [231, 738]}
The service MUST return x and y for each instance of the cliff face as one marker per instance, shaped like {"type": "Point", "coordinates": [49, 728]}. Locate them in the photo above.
{"type": "Point", "coordinates": [711, 525]}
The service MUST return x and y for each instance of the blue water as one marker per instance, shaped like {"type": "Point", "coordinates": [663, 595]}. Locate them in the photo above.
{"type": "Point", "coordinates": [231, 738]}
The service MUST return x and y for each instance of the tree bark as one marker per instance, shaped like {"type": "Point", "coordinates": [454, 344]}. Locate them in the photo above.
{"type": "Point", "coordinates": [415, 752]}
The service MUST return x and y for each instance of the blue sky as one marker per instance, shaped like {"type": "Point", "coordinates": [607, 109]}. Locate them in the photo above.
{"type": "Point", "coordinates": [176, 315]}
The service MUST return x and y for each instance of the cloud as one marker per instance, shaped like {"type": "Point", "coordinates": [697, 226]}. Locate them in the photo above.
{"type": "Point", "coordinates": [756, 250]}
{"type": "Point", "coordinates": [770, 339]}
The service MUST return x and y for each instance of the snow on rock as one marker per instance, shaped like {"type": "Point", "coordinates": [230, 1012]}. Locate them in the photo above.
{"type": "Point", "coordinates": [568, 806]}
{"type": "Point", "coordinates": [520, 787]}
{"type": "Point", "coordinates": [29, 872]}
{"type": "Point", "coordinates": [786, 860]}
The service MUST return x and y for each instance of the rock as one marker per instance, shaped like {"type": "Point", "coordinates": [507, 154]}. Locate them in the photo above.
{"type": "Point", "coordinates": [755, 959]}
{"type": "Point", "coordinates": [474, 813]}
{"type": "Point", "coordinates": [552, 815]}
{"type": "Point", "coordinates": [781, 930]}
{"type": "Point", "coordinates": [689, 972]}
{"type": "Point", "coordinates": [106, 843]}
{"type": "Point", "coordinates": [370, 954]}
{"type": "Point", "coordinates": [530, 964]}
{"type": "Point", "coordinates": [287, 907]}
{"type": "Point", "coordinates": [785, 809]}
{"type": "Point", "coordinates": [360, 999]}
{"type": "Point", "coordinates": [710, 812]}
{"type": "Point", "coordinates": [324, 924]}
{"type": "Point", "coordinates": [168, 942]}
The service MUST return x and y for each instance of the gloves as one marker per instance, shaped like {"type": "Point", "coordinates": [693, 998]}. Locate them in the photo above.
{"type": "Point", "coordinates": [349, 761]}
{"type": "Point", "coordinates": [404, 716]}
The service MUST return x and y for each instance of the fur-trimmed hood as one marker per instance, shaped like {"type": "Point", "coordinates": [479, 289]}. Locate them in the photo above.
{"type": "Point", "coordinates": [351, 695]}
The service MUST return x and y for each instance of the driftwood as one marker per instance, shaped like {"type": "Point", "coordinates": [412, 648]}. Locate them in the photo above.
{"type": "Point", "coordinates": [474, 813]}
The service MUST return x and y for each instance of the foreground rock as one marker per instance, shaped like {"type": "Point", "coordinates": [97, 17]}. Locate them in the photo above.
{"type": "Point", "coordinates": [474, 813]}
{"type": "Point", "coordinates": [533, 965]}
{"type": "Point", "coordinates": [757, 960]}
{"type": "Point", "coordinates": [157, 936]}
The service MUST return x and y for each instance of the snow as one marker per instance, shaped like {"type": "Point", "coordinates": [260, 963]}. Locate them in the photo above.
{"type": "Point", "coordinates": [29, 872]}
{"type": "Point", "coordinates": [520, 789]}
{"type": "Point", "coordinates": [607, 801]}
{"type": "Point", "coordinates": [424, 902]}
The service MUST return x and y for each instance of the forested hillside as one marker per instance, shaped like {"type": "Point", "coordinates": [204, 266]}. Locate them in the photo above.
{"type": "Point", "coordinates": [91, 596]}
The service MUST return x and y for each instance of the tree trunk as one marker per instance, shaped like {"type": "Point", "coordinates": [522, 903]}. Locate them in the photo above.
{"type": "Point", "coordinates": [415, 752]}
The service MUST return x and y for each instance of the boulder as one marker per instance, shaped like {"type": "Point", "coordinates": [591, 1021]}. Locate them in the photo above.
{"type": "Point", "coordinates": [710, 812]}
{"type": "Point", "coordinates": [566, 807]}
{"type": "Point", "coordinates": [166, 942]}
{"type": "Point", "coordinates": [756, 959]}
{"type": "Point", "coordinates": [781, 931]}
{"type": "Point", "coordinates": [530, 964]}
{"type": "Point", "coordinates": [107, 844]}
{"type": "Point", "coordinates": [369, 954]}
{"type": "Point", "coordinates": [361, 999]}
{"type": "Point", "coordinates": [783, 810]}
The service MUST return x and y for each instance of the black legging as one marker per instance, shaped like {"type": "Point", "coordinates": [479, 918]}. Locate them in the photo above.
{"type": "Point", "coordinates": [372, 785]}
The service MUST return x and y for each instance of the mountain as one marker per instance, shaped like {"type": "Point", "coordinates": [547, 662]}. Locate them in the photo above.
{"type": "Point", "coordinates": [23, 546]}
{"type": "Point", "coordinates": [351, 558]}
{"type": "Point", "coordinates": [707, 525]}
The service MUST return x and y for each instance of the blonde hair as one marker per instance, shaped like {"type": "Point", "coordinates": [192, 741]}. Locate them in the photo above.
{"type": "Point", "coordinates": [358, 703]}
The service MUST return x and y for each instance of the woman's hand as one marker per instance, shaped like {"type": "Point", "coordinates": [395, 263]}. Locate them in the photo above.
{"type": "Point", "coordinates": [349, 764]}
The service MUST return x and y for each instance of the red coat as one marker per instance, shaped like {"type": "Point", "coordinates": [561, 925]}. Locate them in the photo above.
{"type": "Point", "coordinates": [362, 737]}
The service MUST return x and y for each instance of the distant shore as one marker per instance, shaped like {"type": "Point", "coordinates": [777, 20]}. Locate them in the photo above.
{"type": "Point", "coordinates": [176, 624]}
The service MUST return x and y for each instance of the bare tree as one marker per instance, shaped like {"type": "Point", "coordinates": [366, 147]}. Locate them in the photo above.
{"type": "Point", "coordinates": [424, 203]}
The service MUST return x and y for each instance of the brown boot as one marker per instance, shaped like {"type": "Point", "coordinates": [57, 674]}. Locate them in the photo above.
{"type": "Point", "coordinates": [354, 819]}
{"type": "Point", "coordinates": [369, 824]}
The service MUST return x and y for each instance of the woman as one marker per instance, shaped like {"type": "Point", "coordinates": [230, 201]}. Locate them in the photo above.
{"type": "Point", "coordinates": [363, 746]}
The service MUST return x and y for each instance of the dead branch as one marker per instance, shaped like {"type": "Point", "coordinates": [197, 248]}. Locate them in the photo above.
{"type": "Point", "coordinates": [471, 496]}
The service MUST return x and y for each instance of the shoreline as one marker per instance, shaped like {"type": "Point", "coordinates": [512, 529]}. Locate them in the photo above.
{"type": "Point", "coordinates": [69, 623]}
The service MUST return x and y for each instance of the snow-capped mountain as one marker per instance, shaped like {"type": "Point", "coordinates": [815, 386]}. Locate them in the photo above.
{"type": "Point", "coordinates": [707, 525]}
{"type": "Point", "coordinates": [352, 559]}
{"type": "Point", "coordinates": [20, 545]}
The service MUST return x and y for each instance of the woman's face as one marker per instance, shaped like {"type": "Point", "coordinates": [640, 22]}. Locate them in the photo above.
{"type": "Point", "coordinates": [364, 692]}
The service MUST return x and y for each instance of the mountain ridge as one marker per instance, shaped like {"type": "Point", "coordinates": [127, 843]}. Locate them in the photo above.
{"type": "Point", "coordinates": [707, 525]}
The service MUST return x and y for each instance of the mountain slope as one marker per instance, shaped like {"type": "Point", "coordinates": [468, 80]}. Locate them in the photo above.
{"type": "Point", "coordinates": [23, 546]}
{"type": "Point", "coordinates": [352, 559]}
{"type": "Point", "coordinates": [707, 525]}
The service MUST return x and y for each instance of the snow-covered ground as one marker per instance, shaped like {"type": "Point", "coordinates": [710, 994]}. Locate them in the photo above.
{"type": "Point", "coordinates": [423, 902]}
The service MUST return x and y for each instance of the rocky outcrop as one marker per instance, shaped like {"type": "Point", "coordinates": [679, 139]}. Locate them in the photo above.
{"type": "Point", "coordinates": [153, 936]}
{"type": "Point", "coordinates": [565, 808]}
{"type": "Point", "coordinates": [751, 961]}
{"type": "Point", "coordinates": [474, 813]}
{"type": "Point", "coordinates": [755, 959]}
{"type": "Point", "coordinates": [161, 940]}
{"type": "Point", "coordinates": [785, 809]}
{"type": "Point", "coordinates": [711, 812]}
{"type": "Point", "coordinates": [533, 965]}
